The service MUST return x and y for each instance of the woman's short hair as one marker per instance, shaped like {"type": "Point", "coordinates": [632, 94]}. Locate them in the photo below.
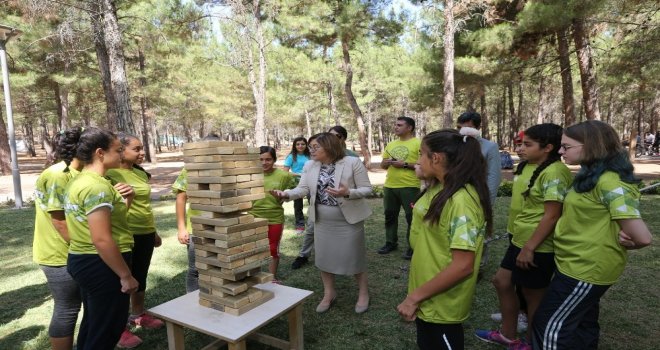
{"type": "Point", "coordinates": [330, 144]}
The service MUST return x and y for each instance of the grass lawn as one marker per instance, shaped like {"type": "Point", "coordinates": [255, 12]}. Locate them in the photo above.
{"type": "Point", "coordinates": [630, 311]}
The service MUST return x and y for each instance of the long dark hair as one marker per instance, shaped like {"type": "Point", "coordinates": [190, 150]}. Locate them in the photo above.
{"type": "Point", "coordinates": [545, 134]}
{"type": "Point", "coordinates": [465, 165]}
{"type": "Point", "coordinates": [82, 143]}
{"type": "Point", "coordinates": [67, 145]}
{"type": "Point", "coordinates": [294, 151]}
{"type": "Point", "coordinates": [601, 151]}
{"type": "Point", "coordinates": [125, 140]}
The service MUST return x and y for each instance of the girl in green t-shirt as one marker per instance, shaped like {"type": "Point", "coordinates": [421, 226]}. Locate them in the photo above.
{"type": "Point", "coordinates": [529, 261]}
{"type": "Point", "coordinates": [270, 207]}
{"type": "Point", "coordinates": [51, 241]}
{"type": "Point", "coordinates": [450, 219]}
{"type": "Point", "coordinates": [100, 240]}
{"type": "Point", "coordinates": [143, 227]}
{"type": "Point", "coordinates": [600, 222]}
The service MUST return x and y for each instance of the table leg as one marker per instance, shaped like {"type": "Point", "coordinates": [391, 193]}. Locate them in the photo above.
{"type": "Point", "coordinates": [174, 336]}
{"type": "Point", "coordinates": [296, 328]}
{"type": "Point", "coordinates": [237, 346]}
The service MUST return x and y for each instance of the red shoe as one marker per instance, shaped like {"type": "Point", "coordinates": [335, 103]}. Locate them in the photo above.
{"type": "Point", "coordinates": [146, 321]}
{"type": "Point", "coordinates": [128, 340]}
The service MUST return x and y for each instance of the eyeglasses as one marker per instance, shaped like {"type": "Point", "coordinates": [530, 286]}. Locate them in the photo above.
{"type": "Point", "coordinates": [314, 148]}
{"type": "Point", "coordinates": [567, 147]}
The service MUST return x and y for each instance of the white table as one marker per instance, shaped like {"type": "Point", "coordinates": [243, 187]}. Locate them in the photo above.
{"type": "Point", "coordinates": [185, 311]}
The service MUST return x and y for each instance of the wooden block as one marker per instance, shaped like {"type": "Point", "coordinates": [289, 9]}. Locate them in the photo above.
{"type": "Point", "coordinates": [223, 209]}
{"type": "Point", "coordinates": [243, 178]}
{"type": "Point", "coordinates": [257, 176]}
{"type": "Point", "coordinates": [211, 165]}
{"type": "Point", "coordinates": [235, 288]}
{"type": "Point", "coordinates": [253, 150]}
{"type": "Point", "coordinates": [255, 190]}
{"type": "Point", "coordinates": [246, 267]}
{"type": "Point", "coordinates": [266, 296]}
{"type": "Point", "coordinates": [256, 257]}
{"type": "Point", "coordinates": [262, 242]}
{"type": "Point", "coordinates": [241, 241]}
{"type": "Point", "coordinates": [225, 220]}
{"type": "Point", "coordinates": [209, 151]}
{"type": "Point", "coordinates": [224, 265]}
{"type": "Point", "coordinates": [202, 240]}
{"type": "Point", "coordinates": [234, 186]}
{"type": "Point", "coordinates": [249, 223]}
{"type": "Point", "coordinates": [204, 277]}
{"type": "Point", "coordinates": [246, 219]}
{"type": "Point", "coordinates": [196, 187]}
{"type": "Point", "coordinates": [248, 164]}
{"type": "Point", "coordinates": [213, 179]}
{"type": "Point", "coordinates": [213, 143]}
{"type": "Point", "coordinates": [204, 253]}
{"type": "Point", "coordinates": [230, 276]}
{"type": "Point", "coordinates": [261, 277]}
{"type": "Point", "coordinates": [222, 158]}
{"type": "Point", "coordinates": [242, 255]}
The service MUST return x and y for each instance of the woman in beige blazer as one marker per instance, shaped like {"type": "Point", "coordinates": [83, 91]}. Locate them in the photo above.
{"type": "Point", "coordinates": [337, 186]}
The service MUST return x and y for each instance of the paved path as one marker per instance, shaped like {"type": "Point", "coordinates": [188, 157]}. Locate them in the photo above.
{"type": "Point", "coordinates": [169, 165]}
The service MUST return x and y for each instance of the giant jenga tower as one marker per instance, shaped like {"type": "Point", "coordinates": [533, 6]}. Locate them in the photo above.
{"type": "Point", "coordinates": [230, 245]}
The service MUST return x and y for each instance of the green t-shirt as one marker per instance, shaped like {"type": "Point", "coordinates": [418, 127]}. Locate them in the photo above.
{"type": "Point", "coordinates": [520, 184]}
{"type": "Point", "coordinates": [351, 153]}
{"type": "Point", "coordinates": [181, 185]}
{"type": "Point", "coordinates": [85, 193]}
{"type": "Point", "coordinates": [587, 236]}
{"type": "Point", "coordinates": [140, 215]}
{"type": "Point", "coordinates": [270, 207]}
{"type": "Point", "coordinates": [462, 225]}
{"type": "Point", "coordinates": [48, 246]}
{"type": "Point", "coordinates": [550, 186]}
{"type": "Point", "coordinates": [407, 151]}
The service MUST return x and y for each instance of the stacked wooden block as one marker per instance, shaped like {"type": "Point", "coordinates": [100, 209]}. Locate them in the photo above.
{"type": "Point", "coordinates": [230, 245]}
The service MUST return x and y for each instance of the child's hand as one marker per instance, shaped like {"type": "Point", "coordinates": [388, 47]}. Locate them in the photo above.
{"type": "Point", "coordinates": [407, 309]}
{"type": "Point", "coordinates": [125, 190]}
{"type": "Point", "coordinates": [525, 259]}
{"type": "Point", "coordinates": [625, 240]}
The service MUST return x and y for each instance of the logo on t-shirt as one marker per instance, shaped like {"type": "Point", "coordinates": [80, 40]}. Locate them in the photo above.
{"type": "Point", "coordinates": [400, 152]}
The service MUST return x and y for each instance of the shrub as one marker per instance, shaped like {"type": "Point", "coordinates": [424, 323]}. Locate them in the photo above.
{"type": "Point", "coordinates": [505, 189]}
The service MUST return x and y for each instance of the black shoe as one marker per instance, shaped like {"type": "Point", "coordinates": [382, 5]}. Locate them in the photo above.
{"type": "Point", "coordinates": [299, 262]}
{"type": "Point", "coordinates": [408, 254]}
{"type": "Point", "coordinates": [387, 248]}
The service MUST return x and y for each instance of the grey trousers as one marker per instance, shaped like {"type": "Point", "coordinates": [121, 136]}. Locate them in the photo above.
{"type": "Point", "coordinates": [308, 240]}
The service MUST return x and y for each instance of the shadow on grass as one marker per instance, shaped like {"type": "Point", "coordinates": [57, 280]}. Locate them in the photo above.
{"type": "Point", "coordinates": [13, 340]}
{"type": "Point", "coordinates": [15, 303]}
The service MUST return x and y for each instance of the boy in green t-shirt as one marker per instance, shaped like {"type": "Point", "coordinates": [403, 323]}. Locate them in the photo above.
{"type": "Point", "coordinates": [401, 185]}
{"type": "Point", "coordinates": [270, 207]}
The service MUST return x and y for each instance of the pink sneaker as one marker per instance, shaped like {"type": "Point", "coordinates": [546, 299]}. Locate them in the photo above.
{"type": "Point", "coordinates": [146, 321]}
{"type": "Point", "coordinates": [494, 337]}
{"type": "Point", "coordinates": [519, 345]}
{"type": "Point", "coordinates": [128, 340]}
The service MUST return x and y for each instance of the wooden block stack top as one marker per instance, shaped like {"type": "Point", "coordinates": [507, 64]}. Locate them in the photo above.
{"type": "Point", "coordinates": [231, 246]}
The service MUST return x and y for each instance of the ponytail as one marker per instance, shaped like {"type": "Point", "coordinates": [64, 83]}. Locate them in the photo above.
{"type": "Point", "coordinates": [67, 146]}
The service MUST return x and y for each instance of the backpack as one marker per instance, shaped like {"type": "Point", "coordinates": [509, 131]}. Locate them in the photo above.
{"type": "Point", "coordinates": [506, 160]}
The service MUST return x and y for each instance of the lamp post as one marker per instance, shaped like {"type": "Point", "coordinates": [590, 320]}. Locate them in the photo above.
{"type": "Point", "coordinates": [7, 33]}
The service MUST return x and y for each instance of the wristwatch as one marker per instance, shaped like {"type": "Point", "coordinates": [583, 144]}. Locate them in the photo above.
{"type": "Point", "coordinates": [405, 165]}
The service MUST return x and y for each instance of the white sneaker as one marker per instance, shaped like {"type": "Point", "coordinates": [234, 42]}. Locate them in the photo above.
{"type": "Point", "coordinates": [522, 320]}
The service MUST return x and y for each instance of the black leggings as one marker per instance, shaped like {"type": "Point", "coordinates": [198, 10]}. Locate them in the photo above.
{"type": "Point", "coordinates": [437, 336]}
{"type": "Point", "coordinates": [105, 306]}
{"type": "Point", "coordinates": [143, 249]}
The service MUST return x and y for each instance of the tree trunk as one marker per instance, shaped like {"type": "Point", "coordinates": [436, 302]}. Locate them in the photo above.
{"type": "Point", "coordinates": [45, 138]}
{"type": "Point", "coordinates": [381, 140]}
{"type": "Point", "coordinates": [370, 130]}
{"type": "Point", "coordinates": [29, 137]}
{"type": "Point", "coordinates": [655, 111]}
{"type": "Point", "coordinates": [485, 130]}
{"type": "Point", "coordinates": [610, 105]}
{"type": "Point", "coordinates": [587, 71]}
{"type": "Point", "coordinates": [63, 105]}
{"type": "Point", "coordinates": [58, 104]}
{"type": "Point", "coordinates": [448, 91]}
{"type": "Point", "coordinates": [348, 89]}
{"type": "Point", "coordinates": [308, 123]}
{"type": "Point", "coordinates": [118, 80]}
{"type": "Point", "coordinates": [143, 105]}
{"type": "Point", "coordinates": [333, 106]}
{"type": "Point", "coordinates": [540, 113]}
{"type": "Point", "coordinates": [104, 65]}
{"type": "Point", "coordinates": [500, 117]}
{"type": "Point", "coordinates": [258, 84]}
{"type": "Point", "coordinates": [5, 152]}
{"type": "Point", "coordinates": [512, 114]}
{"type": "Point", "coordinates": [568, 104]}
{"type": "Point", "coordinates": [519, 114]}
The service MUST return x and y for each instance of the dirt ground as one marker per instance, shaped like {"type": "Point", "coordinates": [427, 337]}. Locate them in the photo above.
{"type": "Point", "coordinates": [168, 166]}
